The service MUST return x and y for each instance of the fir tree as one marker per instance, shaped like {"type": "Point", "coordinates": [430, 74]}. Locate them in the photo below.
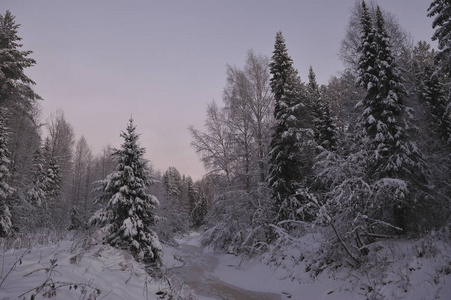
{"type": "Point", "coordinates": [324, 129]}
{"type": "Point", "coordinates": [172, 181]}
{"type": "Point", "coordinates": [36, 194]}
{"type": "Point", "coordinates": [431, 89]}
{"type": "Point", "coordinates": [391, 154]}
{"type": "Point", "coordinates": [5, 189]}
{"type": "Point", "coordinates": [52, 181]}
{"type": "Point", "coordinates": [17, 95]}
{"type": "Point", "coordinates": [441, 9]}
{"type": "Point", "coordinates": [15, 90]}
{"type": "Point", "coordinates": [199, 211]}
{"type": "Point", "coordinates": [290, 157]}
{"type": "Point", "coordinates": [367, 74]}
{"type": "Point", "coordinates": [434, 93]}
{"type": "Point", "coordinates": [129, 217]}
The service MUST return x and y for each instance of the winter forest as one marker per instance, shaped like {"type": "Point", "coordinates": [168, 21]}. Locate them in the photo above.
{"type": "Point", "coordinates": [336, 191]}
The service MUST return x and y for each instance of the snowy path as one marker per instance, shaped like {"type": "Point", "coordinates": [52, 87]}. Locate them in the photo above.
{"type": "Point", "coordinates": [200, 272]}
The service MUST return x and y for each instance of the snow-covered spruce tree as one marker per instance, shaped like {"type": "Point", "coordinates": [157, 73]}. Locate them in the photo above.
{"type": "Point", "coordinates": [129, 216]}
{"type": "Point", "coordinates": [324, 129]}
{"type": "Point", "coordinates": [5, 189]}
{"type": "Point", "coordinates": [173, 211]}
{"type": "Point", "coordinates": [393, 161]}
{"type": "Point", "coordinates": [53, 194]}
{"type": "Point", "coordinates": [199, 210]}
{"type": "Point", "coordinates": [433, 89]}
{"type": "Point", "coordinates": [368, 54]}
{"type": "Point", "coordinates": [436, 95]}
{"type": "Point", "coordinates": [15, 87]}
{"type": "Point", "coordinates": [17, 95]}
{"type": "Point", "coordinates": [36, 192]}
{"type": "Point", "coordinates": [172, 181]}
{"type": "Point", "coordinates": [441, 10]}
{"type": "Point", "coordinates": [290, 159]}
{"type": "Point", "coordinates": [401, 38]}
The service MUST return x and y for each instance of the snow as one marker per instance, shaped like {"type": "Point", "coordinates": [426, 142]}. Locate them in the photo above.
{"type": "Point", "coordinates": [255, 279]}
{"type": "Point", "coordinates": [257, 276]}
{"type": "Point", "coordinates": [80, 267]}
{"type": "Point", "coordinates": [410, 269]}
{"type": "Point", "coordinates": [78, 272]}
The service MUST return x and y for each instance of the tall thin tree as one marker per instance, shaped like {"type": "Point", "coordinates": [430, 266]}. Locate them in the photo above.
{"type": "Point", "coordinates": [324, 128]}
{"type": "Point", "coordinates": [392, 157]}
{"type": "Point", "coordinates": [5, 189]}
{"type": "Point", "coordinates": [441, 10]}
{"type": "Point", "coordinates": [290, 161]}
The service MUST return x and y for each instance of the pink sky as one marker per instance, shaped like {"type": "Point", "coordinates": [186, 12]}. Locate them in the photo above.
{"type": "Point", "coordinates": [162, 61]}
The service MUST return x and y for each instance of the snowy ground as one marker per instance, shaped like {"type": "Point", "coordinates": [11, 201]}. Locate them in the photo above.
{"type": "Point", "coordinates": [412, 269]}
{"type": "Point", "coordinates": [70, 268]}
{"type": "Point", "coordinates": [226, 276]}
{"type": "Point", "coordinates": [78, 268]}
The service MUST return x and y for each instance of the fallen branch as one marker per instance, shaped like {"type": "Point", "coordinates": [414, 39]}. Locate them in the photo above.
{"type": "Point", "coordinates": [382, 236]}
{"type": "Point", "coordinates": [343, 243]}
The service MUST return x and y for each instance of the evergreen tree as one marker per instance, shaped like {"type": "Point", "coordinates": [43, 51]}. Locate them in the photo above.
{"type": "Point", "coordinates": [199, 211]}
{"type": "Point", "coordinates": [391, 154]}
{"type": "Point", "coordinates": [367, 74]}
{"type": "Point", "coordinates": [324, 129]}
{"type": "Point", "coordinates": [130, 213]}
{"type": "Point", "coordinates": [15, 90]}
{"type": "Point", "coordinates": [5, 189]}
{"type": "Point", "coordinates": [52, 181]}
{"type": "Point", "coordinates": [441, 9]}
{"type": "Point", "coordinates": [36, 194]}
{"type": "Point", "coordinates": [17, 95]}
{"type": "Point", "coordinates": [290, 157]}
{"type": "Point", "coordinates": [432, 89]}
{"type": "Point", "coordinates": [172, 180]}
{"type": "Point", "coordinates": [191, 193]}
{"type": "Point", "coordinates": [435, 94]}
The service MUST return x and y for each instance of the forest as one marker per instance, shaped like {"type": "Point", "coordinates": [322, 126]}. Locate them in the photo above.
{"type": "Point", "coordinates": [361, 161]}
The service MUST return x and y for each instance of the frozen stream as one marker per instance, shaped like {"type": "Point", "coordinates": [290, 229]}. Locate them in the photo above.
{"type": "Point", "coordinates": [198, 273]}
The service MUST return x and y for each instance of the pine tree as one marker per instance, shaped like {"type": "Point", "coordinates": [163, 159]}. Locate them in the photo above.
{"type": "Point", "coordinates": [290, 157]}
{"type": "Point", "coordinates": [130, 213]}
{"type": "Point", "coordinates": [5, 189]}
{"type": "Point", "coordinates": [324, 129]}
{"type": "Point", "coordinates": [441, 9]}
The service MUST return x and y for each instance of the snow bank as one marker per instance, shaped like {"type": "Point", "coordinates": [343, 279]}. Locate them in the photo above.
{"type": "Point", "coordinates": [70, 270]}
{"type": "Point", "coordinates": [411, 269]}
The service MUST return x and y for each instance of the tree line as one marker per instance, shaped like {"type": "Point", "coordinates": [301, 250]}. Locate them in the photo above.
{"type": "Point", "coordinates": [366, 155]}
{"type": "Point", "coordinates": [51, 180]}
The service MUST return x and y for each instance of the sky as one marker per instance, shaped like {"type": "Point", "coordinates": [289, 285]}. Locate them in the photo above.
{"type": "Point", "coordinates": [161, 62]}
